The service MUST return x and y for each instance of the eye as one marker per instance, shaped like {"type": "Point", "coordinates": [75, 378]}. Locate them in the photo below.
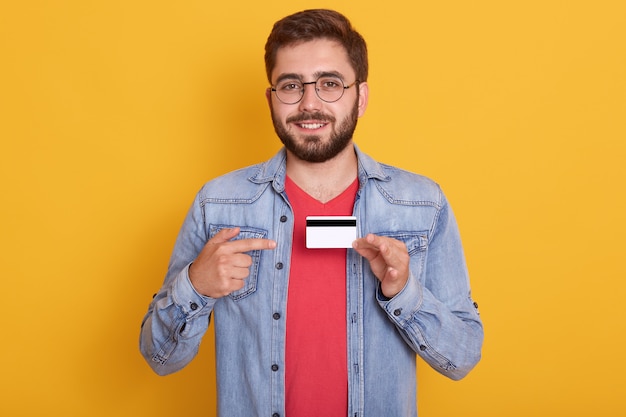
{"type": "Point", "coordinates": [290, 86]}
{"type": "Point", "coordinates": [330, 83]}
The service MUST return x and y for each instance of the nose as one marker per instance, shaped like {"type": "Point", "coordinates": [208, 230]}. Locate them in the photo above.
{"type": "Point", "coordinates": [310, 100]}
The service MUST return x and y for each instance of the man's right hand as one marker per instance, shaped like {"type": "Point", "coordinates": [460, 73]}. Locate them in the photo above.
{"type": "Point", "coordinates": [223, 266]}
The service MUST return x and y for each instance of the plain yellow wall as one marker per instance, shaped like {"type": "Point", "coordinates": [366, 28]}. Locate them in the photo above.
{"type": "Point", "coordinates": [113, 114]}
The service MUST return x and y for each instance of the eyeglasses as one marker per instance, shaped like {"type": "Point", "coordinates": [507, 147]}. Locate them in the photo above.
{"type": "Point", "coordinates": [329, 88]}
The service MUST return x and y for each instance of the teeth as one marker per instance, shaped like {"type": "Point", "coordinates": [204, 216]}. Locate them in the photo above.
{"type": "Point", "coordinates": [312, 125]}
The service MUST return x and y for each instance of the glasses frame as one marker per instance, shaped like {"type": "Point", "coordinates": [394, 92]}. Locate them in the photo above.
{"type": "Point", "coordinates": [317, 91]}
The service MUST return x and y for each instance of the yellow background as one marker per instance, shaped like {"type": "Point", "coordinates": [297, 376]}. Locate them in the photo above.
{"type": "Point", "coordinates": [114, 113]}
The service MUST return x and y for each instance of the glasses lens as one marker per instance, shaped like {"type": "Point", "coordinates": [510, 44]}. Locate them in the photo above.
{"type": "Point", "coordinates": [289, 91]}
{"type": "Point", "coordinates": [329, 88]}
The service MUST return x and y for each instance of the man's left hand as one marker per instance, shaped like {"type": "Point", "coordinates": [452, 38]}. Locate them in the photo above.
{"type": "Point", "coordinates": [389, 260]}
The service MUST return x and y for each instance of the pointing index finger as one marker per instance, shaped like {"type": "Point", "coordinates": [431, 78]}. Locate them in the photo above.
{"type": "Point", "coordinates": [245, 245]}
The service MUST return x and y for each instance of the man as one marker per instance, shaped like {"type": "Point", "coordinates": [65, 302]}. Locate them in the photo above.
{"type": "Point", "coordinates": [326, 331]}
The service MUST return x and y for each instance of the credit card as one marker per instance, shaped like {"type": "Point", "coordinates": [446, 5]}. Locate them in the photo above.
{"type": "Point", "coordinates": [330, 231]}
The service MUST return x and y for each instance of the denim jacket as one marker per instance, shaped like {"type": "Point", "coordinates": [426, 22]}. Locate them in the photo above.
{"type": "Point", "coordinates": [432, 317]}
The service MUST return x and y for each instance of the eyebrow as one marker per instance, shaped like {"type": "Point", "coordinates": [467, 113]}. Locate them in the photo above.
{"type": "Point", "coordinates": [316, 75]}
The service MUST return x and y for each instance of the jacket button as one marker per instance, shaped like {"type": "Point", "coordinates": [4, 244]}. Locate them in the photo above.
{"type": "Point", "coordinates": [283, 218]}
{"type": "Point", "coordinates": [423, 347]}
{"type": "Point", "coordinates": [275, 415]}
{"type": "Point", "coordinates": [279, 265]}
{"type": "Point", "coordinates": [274, 367]}
{"type": "Point", "coordinates": [397, 312]}
{"type": "Point", "coordinates": [276, 316]}
{"type": "Point", "coordinates": [193, 306]}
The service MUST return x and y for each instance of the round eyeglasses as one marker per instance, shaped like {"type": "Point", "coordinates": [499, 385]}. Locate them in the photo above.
{"type": "Point", "coordinates": [329, 88]}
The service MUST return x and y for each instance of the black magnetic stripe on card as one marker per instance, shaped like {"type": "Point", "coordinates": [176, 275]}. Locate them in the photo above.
{"type": "Point", "coordinates": [331, 223]}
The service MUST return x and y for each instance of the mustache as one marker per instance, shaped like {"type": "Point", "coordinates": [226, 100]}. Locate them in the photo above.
{"type": "Point", "coordinates": [303, 117]}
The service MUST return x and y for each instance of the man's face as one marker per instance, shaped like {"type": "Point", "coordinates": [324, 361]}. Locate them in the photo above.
{"type": "Point", "coordinates": [312, 129]}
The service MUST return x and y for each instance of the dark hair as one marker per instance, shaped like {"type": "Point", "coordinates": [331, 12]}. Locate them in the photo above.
{"type": "Point", "coordinates": [309, 25]}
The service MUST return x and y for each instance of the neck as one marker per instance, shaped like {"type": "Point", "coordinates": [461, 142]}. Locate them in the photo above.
{"type": "Point", "coordinates": [324, 180]}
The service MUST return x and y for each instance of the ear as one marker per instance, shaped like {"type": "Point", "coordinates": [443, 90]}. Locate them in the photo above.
{"type": "Point", "coordinates": [268, 96]}
{"type": "Point", "coordinates": [364, 92]}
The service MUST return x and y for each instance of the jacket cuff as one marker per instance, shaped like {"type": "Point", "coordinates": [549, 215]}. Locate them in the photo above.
{"type": "Point", "coordinates": [404, 304]}
{"type": "Point", "coordinates": [186, 297]}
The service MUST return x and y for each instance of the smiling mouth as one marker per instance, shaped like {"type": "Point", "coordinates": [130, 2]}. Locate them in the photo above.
{"type": "Point", "coordinates": [311, 126]}
{"type": "Point", "coordinates": [313, 121]}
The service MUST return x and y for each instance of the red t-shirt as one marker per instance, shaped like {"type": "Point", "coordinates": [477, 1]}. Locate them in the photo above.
{"type": "Point", "coordinates": [316, 373]}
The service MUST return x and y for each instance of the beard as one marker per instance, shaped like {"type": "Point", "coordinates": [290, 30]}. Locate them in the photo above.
{"type": "Point", "coordinates": [312, 148]}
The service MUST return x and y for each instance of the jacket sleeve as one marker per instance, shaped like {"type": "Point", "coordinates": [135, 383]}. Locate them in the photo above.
{"type": "Point", "coordinates": [435, 313]}
{"type": "Point", "coordinates": [178, 316]}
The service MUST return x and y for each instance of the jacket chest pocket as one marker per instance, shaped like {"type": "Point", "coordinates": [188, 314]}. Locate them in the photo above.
{"type": "Point", "coordinates": [246, 232]}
